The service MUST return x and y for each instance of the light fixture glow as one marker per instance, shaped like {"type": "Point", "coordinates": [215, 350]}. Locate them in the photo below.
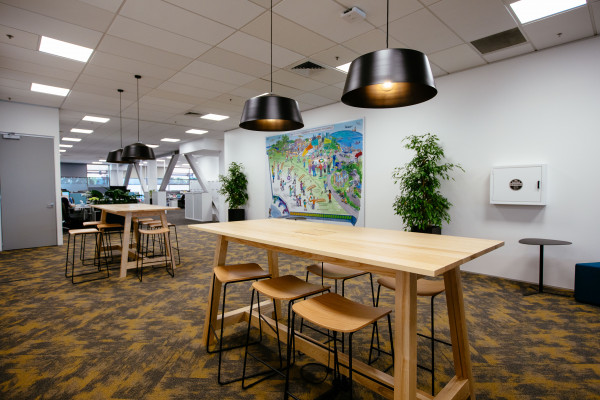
{"type": "Point", "coordinates": [71, 139]}
{"type": "Point", "coordinates": [196, 131]}
{"type": "Point", "coordinates": [65, 145]}
{"type": "Point", "coordinates": [152, 146]}
{"type": "Point", "coordinates": [57, 91]}
{"type": "Point", "coordinates": [387, 85]}
{"type": "Point", "coordinates": [97, 162]}
{"type": "Point", "coordinates": [344, 67]}
{"type": "Point", "coordinates": [531, 10]}
{"type": "Point", "coordinates": [214, 117]}
{"type": "Point", "coordinates": [91, 118]}
{"type": "Point", "coordinates": [77, 130]}
{"type": "Point", "coordinates": [169, 140]}
{"type": "Point", "coordinates": [62, 151]}
{"type": "Point", "coordinates": [65, 49]}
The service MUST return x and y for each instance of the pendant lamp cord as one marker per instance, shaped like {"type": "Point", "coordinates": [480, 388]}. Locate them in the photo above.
{"type": "Point", "coordinates": [387, 26]}
{"type": "Point", "coordinates": [121, 115]}
{"type": "Point", "coordinates": [137, 77]}
{"type": "Point", "coordinates": [272, 46]}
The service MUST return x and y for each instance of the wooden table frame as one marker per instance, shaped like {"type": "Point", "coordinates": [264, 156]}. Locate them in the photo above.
{"type": "Point", "coordinates": [129, 211]}
{"type": "Point", "coordinates": [399, 254]}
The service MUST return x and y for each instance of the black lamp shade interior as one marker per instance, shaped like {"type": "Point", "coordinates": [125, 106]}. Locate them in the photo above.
{"type": "Point", "coordinates": [137, 151]}
{"type": "Point", "coordinates": [116, 157]}
{"type": "Point", "coordinates": [389, 78]}
{"type": "Point", "coordinates": [271, 113]}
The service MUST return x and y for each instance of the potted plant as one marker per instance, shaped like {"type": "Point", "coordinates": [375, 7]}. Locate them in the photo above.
{"type": "Point", "coordinates": [420, 203]}
{"type": "Point", "coordinates": [234, 187]}
{"type": "Point", "coordinates": [112, 196]}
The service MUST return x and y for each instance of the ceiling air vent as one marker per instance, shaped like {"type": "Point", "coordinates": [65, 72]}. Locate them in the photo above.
{"type": "Point", "coordinates": [193, 114]}
{"type": "Point", "coordinates": [308, 65]}
{"type": "Point", "coordinates": [499, 41]}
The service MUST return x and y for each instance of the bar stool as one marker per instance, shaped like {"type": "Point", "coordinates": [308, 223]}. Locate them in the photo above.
{"type": "Point", "coordinates": [425, 288]}
{"type": "Point", "coordinates": [107, 230]}
{"type": "Point", "coordinates": [338, 314]}
{"type": "Point", "coordinates": [227, 274]}
{"type": "Point", "coordinates": [176, 247]}
{"type": "Point", "coordinates": [164, 253]}
{"type": "Point", "coordinates": [284, 288]}
{"type": "Point", "coordinates": [73, 233]}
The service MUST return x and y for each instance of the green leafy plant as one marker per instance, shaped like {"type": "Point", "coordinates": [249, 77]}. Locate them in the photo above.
{"type": "Point", "coordinates": [234, 186]}
{"type": "Point", "coordinates": [420, 203]}
{"type": "Point", "coordinates": [111, 196]}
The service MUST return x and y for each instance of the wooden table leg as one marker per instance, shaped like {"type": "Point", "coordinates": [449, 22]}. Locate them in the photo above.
{"type": "Point", "coordinates": [125, 245]}
{"type": "Point", "coordinates": [405, 337]}
{"type": "Point", "coordinates": [273, 259]}
{"type": "Point", "coordinates": [458, 328]}
{"type": "Point", "coordinates": [215, 292]}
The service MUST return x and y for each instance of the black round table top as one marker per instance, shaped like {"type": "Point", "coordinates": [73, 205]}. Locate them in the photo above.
{"type": "Point", "coordinates": [543, 242]}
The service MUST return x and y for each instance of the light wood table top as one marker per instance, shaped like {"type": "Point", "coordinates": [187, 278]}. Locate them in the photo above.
{"type": "Point", "coordinates": [122, 209]}
{"type": "Point", "coordinates": [385, 251]}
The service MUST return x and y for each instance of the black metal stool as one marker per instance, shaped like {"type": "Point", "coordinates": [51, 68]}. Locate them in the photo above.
{"type": "Point", "coordinates": [96, 260]}
{"type": "Point", "coordinates": [164, 255]}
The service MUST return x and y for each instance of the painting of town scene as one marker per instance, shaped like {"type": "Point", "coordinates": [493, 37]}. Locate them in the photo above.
{"type": "Point", "coordinates": [317, 173]}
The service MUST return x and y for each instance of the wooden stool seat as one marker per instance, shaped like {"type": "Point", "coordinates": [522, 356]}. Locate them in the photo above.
{"type": "Point", "coordinates": [152, 223]}
{"type": "Point", "coordinates": [109, 226]}
{"type": "Point", "coordinates": [239, 272]}
{"type": "Point", "coordinates": [82, 231]}
{"type": "Point", "coordinates": [144, 219]}
{"type": "Point", "coordinates": [424, 287]}
{"type": "Point", "coordinates": [153, 231]}
{"type": "Point", "coordinates": [287, 287]}
{"type": "Point", "coordinates": [334, 312]}
{"type": "Point", "coordinates": [333, 271]}
{"type": "Point", "coordinates": [91, 223]}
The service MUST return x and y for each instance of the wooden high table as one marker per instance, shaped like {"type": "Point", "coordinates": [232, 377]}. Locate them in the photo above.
{"type": "Point", "coordinates": [130, 211]}
{"type": "Point", "coordinates": [399, 254]}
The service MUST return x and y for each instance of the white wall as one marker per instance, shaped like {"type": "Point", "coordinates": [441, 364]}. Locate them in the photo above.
{"type": "Point", "coordinates": [538, 108]}
{"type": "Point", "coordinates": [41, 121]}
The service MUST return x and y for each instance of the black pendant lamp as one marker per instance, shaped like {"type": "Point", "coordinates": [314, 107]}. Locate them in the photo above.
{"type": "Point", "coordinates": [389, 78]}
{"type": "Point", "coordinates": [271, 112]}
{"type": "Point", "coordinates": [138, 151]}
{"type": "Point", "coordinates": [116, 156]}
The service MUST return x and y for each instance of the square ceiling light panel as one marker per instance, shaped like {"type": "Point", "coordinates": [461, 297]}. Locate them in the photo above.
{"type": "Point", "coordinates": [65, 49]}
{"type": "Point", "coordinates": [532, 10]}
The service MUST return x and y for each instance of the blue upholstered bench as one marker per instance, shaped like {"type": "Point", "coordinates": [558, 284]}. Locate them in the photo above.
{"type": "Point", "coordinates": [587, 283]}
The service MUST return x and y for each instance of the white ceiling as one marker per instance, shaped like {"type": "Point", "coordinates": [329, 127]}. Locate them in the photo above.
{"type": "Point", "coordinates": [208, 56]}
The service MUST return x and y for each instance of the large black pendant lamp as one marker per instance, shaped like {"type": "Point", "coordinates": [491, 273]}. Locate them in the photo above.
{"type": "Point", "coordinates": [389, 78]}
{"type": "Point", "coordinates": [271, 112]}
{"type": "Point", "coordinates": [116, 156]}
{"type": "Point", "coordinates": [138, 151]}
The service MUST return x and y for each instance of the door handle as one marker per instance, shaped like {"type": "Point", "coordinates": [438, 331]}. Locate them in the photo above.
{"type": "Point", "coordinates": [51, 205]}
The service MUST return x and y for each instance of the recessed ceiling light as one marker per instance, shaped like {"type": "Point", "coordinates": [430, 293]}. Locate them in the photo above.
{"type": "Point", "coordinates": [62, 151]}
{"type": "Point", "coordinates": [186, 165]}
{"type": "Point", "coordinates": [96, 119]}
{"type": "Point", "coordinates": [65, 145]}
{"type": "Point", "coordinates": [65, 49]}
{"type": "Point", "coordinates": [196, 131]}
{"type": "Point", "coordinates": [344, 67]}
{"type": "Point", "coordinates": [531, 10]}
{"type": "Point", "coordinates": [153, 146]}
{"type": "Point", "coordinates": [102, 160]}
{"type": "Point", "coordinates": [96, 162]}
{"type": "Point", "coordinates": [215, 117]}
{"type": "Point", "coordinates": [71, 139]}
{"type": "Point", "coordinates": [77, 130]}
{"type": "Point", "coordinates": [169, 140]}
{"type": "Point", "coordinates": [57, 91]}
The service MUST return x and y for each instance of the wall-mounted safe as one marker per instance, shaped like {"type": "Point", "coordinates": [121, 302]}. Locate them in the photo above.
{"type": "Point", "coordinates": [519, 185]}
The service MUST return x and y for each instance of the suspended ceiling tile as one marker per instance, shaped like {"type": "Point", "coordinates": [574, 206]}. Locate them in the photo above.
{"type": "Point", "coordinates": [436, 71]}
{"type": "Point", "coordinates": [288, 34]}
{"type": "Point", "coordinates": [218, 73]}
{"type": "Point", "coordinates": [201, 82]}
{"type": "Point", "coordinates": [41, 25]}
{"type": "Point", "coordinates": [19, 38]}
{"type": "Point", "coordinates": [37, 70]}
{"type": "Point", "coordinates": [474, 19]}
{"type": "Point", "coordinates": [559, 29]}
{"type": "Point", "coordinates": [72, 11]}
{"type": "Point", "coordinates": [235, 13]}
{"type": "Point", "coordinates": [328, 76]}
{"type": "Point", "coordinates": [91, 103]}
{"type": "Point", "coordinates": [151, 55]}
{"type": "Point", "coordinates": [29, 77]}
{"type": "Point", "coordinates": [510, 52]}
{"type": "Point", "coordinates": [188, 90]}
{"type": "Point", "coordinates": [296, 81]}
{"type": "Point", "coordinates": [147, 35]}
{"type": "Point", "coordinates": [176, 20]}
{"type": "Point", "coordinates": [330, 92]}
{"type": "Point", "coordinates": [179, 97]}
{"type": "Point", "coordinates": [376, 10]}
{"type": "Point", "coordinates": [40, 59]}
{"type": "Point", "coordinates": [236, 62]}
{"type": "Point", "coordinates": [322, 17]}
{"type": "Point", "coordinates": [286, 90]}
{"type": "Point", "coordinates": [124, 78]}
{"type": "Point", "coordinates": [335, 56]}
{"type": "Point", "coordinates": [258, 49]}
{"type": "Point", "coordinates": [7, 80]}
{"type": "Point", "coordinates": [164, 105]}
{"type": "Point", "coordinates": [424, 32]}
{"type": "Point", "coordinates": [596, 13]}
{"type": "Point", "coordinates": [108, 5]}
{"type": "Point", "coordinates": [371, 41]}
{"type": "Point", "coordinates": [457, 58]}
{"type": "Point", "coordinates": [131, 66]}
{"type": "Point", "coordinates": [93, 85]}
{"type": "Point", "coordinates": [248, 92]}
{"type": "Point", "coordinates": [231, 99]}
{"type": "Point", "coordinates": [265, 3]}
{"type": "Point", "coordinates": [314, 99]}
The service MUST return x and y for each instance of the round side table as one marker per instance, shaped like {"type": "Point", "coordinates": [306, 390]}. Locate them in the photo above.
{"type": "Point", "coordinates": [542, 243]}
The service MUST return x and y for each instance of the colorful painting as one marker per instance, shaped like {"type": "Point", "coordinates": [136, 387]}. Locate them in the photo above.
{"type": "Point", "coordinates": [317, 173]}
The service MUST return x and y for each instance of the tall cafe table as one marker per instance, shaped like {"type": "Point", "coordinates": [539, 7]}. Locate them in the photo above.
{"type": "Point", "coordinates": [130, 211]}
{"type": "Point", "coordinates": [402, 255]}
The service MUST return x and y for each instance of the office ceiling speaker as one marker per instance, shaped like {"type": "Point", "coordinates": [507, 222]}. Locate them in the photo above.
{"type": "Point", "coordinates": [138, 151]}
{"type": "Point", "coordinates": [389, 78]}
{"type": "Point", "coordinates": [271, 112]}
{"type": "Point", "coordinates": [116, 156]}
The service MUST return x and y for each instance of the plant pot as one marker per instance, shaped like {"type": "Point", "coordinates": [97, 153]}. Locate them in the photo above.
{"type": "Point", "coordinates": [236, 214]}
{"type": "Point", "coordinates": [436, 230]}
